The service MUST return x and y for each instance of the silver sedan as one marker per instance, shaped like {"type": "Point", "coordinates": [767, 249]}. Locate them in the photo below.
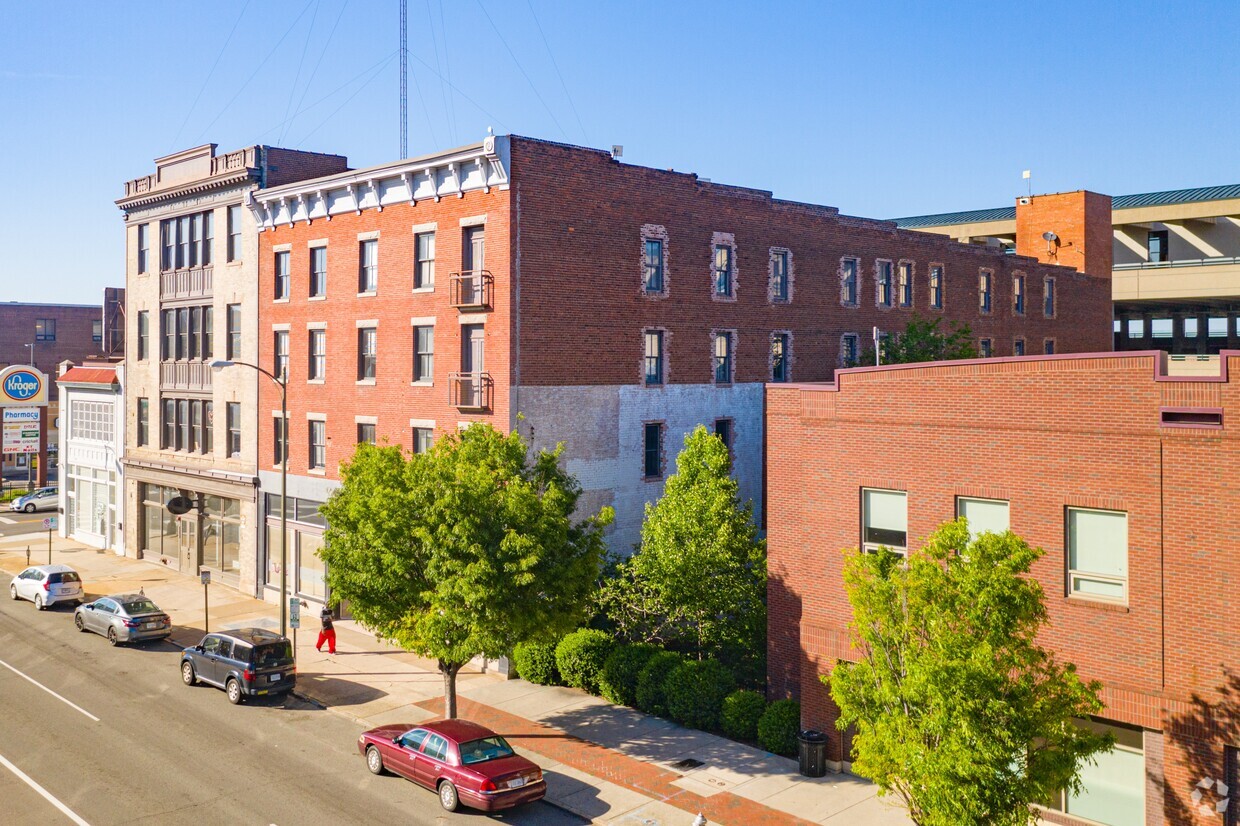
{"type": "Point", "coordinates": [123, 618]}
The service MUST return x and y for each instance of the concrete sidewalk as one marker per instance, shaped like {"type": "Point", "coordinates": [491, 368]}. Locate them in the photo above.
{"type": "Point", "coordinates": [606, 763]}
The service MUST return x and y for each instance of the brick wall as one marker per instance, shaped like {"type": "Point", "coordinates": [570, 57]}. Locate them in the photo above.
{"type": "Point", "coordinates": [1044, 434]}
{"type": "Point", "coordinates": [1081, 222]}
{"type": "Point", "coordinates": [74, 335]}
{"type": "Point", "coordinates": [288, 165]}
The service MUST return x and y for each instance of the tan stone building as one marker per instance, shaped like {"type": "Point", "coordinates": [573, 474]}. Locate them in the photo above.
{"type": "Point", "coordinates": [192, 278]}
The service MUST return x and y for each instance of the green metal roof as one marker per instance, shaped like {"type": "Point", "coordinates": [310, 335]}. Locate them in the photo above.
{"type": "Point", "coordinates": [1145, 199]}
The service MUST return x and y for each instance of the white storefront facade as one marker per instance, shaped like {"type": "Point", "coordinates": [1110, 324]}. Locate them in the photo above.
{"type": "Point", "coordinates": [92, 442]}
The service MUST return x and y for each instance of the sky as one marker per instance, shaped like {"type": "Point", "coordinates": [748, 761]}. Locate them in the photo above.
{"type": "Point", "coordinates": [883, 109]}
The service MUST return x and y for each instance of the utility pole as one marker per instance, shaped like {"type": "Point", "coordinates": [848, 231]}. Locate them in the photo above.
{"type": "Point", "coordinates": [404, 79]}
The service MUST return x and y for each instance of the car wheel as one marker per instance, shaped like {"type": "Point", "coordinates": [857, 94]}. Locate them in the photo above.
{"type": "Point", "coordinates": [38, 602]}
{"type": "Point", "coordinates": [187, 674]}
{"type": "Point", "coordinates": [29, 509]}
{"type": "Point", "coordinates": [112, 640]}
{"type": "Point", "coordinates": [77, 620]}
{"type": "Point", "coordinates": [12, 592]}
{"type": "Point", "coordinates": [447, 796]}
{"type": "Point", "coordinates": [234, 691]}
{"type": "Point", "coordinates": [374, 761]}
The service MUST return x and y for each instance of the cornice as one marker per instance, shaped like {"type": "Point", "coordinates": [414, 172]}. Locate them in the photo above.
{"type": "Point", "coordinates": [194, 188]}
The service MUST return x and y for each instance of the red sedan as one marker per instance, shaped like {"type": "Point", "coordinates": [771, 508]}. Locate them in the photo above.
{"type": "Point", "coordinates": [463, 761]}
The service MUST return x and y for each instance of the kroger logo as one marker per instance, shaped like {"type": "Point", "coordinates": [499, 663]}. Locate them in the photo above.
{"type": "Point", "coordinates": [22, 385]}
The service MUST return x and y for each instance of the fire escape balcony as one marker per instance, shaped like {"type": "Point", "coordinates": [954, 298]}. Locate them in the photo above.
{"type": "Point", "coordinates": [471, 289]}
{"type": "Point", "coordinates": [470, 391]}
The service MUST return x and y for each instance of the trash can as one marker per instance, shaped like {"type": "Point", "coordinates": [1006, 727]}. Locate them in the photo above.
{"type": "Point", "coordinates": [812, 753]}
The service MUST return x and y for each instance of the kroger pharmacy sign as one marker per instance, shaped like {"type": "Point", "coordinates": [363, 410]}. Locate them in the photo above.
{"type": "Point", "coordinates": [22, 385]}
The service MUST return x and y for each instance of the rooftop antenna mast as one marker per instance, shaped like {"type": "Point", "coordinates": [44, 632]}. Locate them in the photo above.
{"type": "Point", "coordinates": [404, 78]}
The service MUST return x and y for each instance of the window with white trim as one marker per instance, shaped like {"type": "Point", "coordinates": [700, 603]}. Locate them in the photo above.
{"type": "Point", "coordinates": [1112, 783]}
{"type": "Point", "coordinates": [424, 265]}
{"type": "Point", "coordinates": [318, 444]}
{"type": "Point", "coordinates": [282, 275]}
{"type": "Point", "coordinates": [368, 266]}
{"type": "Point", "coordinates": [983, 515]}
{"type": "Point", "coordinates": [424, 353]}
{"type": "Point", "coordinates": [1097, 554]}
{"type": "Point", "coordinates": [318, 355]}
{"type": "Point", "coordinates": [884, 520]}
{"type": "Point", "coordinates": [318, 272]}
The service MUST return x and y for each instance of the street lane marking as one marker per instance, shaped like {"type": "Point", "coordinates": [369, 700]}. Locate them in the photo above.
{"type": "Point", "coordinates": [65, 810]}
{"type": "Point", "coordinates": [8, 521]}
{"type": "Point", "coordinates": [49, 691]}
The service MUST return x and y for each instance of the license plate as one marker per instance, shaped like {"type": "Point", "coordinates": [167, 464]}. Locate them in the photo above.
{"type": "Point", "coordinates": [516, 783]}
{"type": "Point", "coordinates": [149, 625]}
{"type": "Point", "coordinates": [275, 678]}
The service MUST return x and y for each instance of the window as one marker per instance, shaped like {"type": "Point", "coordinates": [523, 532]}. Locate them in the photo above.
{"type": "Point", "coordinates": [1048, 297]}
{"type": "Point", "coordinates": [193, 336]}
{"type": "Point", "coordinates": [653, 450]}
{"type": "Point", "coordinates": [1156, 246]}
{"type": "Point", "coordinates": [422, 439]}
{"type": "Point", "coordinates": [91, 421]}
{"type": "Point", "coordinates": [168, 439]}
{"type": "Point", "coordinates": [144, 333]}
{"type": "Point", "coordinates": [318, 355]}
{"type": "Point", "coordinates": [144, 246]}
{"type": "Point", "coordinates": [1136, 328]}
{"type": "Point", "coordinates": [318, 272]}
{"type": "Point", "coordinates": [367, 350]}
{"type": "Point", "coordinates": [185, 437]}
{"type": "Point", "coordinates": [848, 281]}
{"type": "Point", "coordinates": [723, 271]}
{"type": "Point", "coordinates": [208, 331]}
{"type": "Point", "coordinates": [45, 329]}
{"type": "Point", "coordinates": [779, 357]}
{"type": "Point", "coordinates": [1216, 327]}
{"type": "Point", "coordinates": [1048, 346]}
{"type": "Point", "coordinates": [282, 275]}
{"type": "Point", "coordinates": [318, 444]}
{"type": "Point", "coordinates": [365, 433]}
{"type": "Point", "coordinates": [208, 419]}
{"type": "Point", "coordinates": [884, 520]}
{"type": "Point", "coordinates": [905, 284]}
{"type": "Point", "coordinates": [424, 354]}
{"type": "Point", "coordinates": [984, 515]}
{"type": "Point", "coordinates": [849, 349]}
{"type": "Point", "coordinates": [279, 440]}
{"type": "Point", "coordinates": [1098, 554]}
{"type": "Point", "coordinates": [1162, 327]}
{"type": "Point", "coordinates": [654, 357]}
{"type": "Point", "coordinates": [233, 414]}
{"type": "Point", "coordinates": [779, 275]}
{"type": "Point", "coordinates": [1190, 328]}
{"type": "Point", "coordinates": [144, 422]}
{"type": "Point", "coordinates": [983, 291]}
{"type": "Point", "coordinates": [723, 358]}
{"type": "Point", "coordinates": [186, 241]}
{"type": "Point", "coordinates": [936, 288]}
{"type": "Point", "coordinates": [1018, 294]}
{"type": "Point", "coordinates": [882, 284]}
{"type": "Point", "coordinates": [1018, 347]}
{"type": "Point", "coordinates": [652, 265]}
{"type": "Point", "coordinates": [233, 324]}
{"type": "Point", "coordinates": [368, 266]}
{"type": "Point", "coordinates": [984, 348]}
{"type": "Point", "coordinates": [280, 363]}
{"type": "Point", "coordinates": [723, 429]}
{"type": "Point", "coordinates": [234, 233]}
{"type": "Point", "coordinates": [1112, 783]}
{"type": "Point", "coordinates": [424, 263]}
{"type": "Point", "coordinates": [96, 332]}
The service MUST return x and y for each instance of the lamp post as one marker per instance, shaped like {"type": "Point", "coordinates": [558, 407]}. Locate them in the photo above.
{"type": "Point", "coordinates": [281, 382]}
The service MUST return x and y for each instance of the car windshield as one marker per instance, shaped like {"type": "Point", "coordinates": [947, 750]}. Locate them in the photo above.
{"type": "Point", "coordinates": [487, 748]}
{"type": "Point", "coordinates": [273, 654]}
{"type": "Point", "coordinates": [66, 576]}
{"type": "Point", "coordinates": [139, 606]}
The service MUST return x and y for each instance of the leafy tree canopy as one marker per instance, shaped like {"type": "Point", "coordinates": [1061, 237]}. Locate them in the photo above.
{"type": "Point", "coordinates": [957, 709]}
{"type": "Point", "coordinates": [923, 340]}
{"type": "Point", "coordinates": [462, 551]}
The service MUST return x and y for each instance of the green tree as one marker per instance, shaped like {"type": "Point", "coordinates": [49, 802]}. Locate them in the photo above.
{"type": "Point", "coordinates": [698, 580]}
{"type": "Point", "coordinates": [462, 551]}
{"type": "Point", "coordinates": [957, 709]}
{"type": "Point", "coordinates": [923, 340]}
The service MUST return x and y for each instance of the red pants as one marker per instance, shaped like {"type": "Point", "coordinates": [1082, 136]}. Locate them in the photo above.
{"type": "Point", "coordinates": [327, 635]}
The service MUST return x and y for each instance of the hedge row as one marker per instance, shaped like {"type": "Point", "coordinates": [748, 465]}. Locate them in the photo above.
{"type": "Point", "coordinates": [700, 694]}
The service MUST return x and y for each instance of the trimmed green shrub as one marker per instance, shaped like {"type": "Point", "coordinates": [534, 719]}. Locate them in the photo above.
{"type": "Point", "coordinates": [580, 657]}
{"type": "Point", "coordinates": [650, 697]}
{"type": "Point", "coordinates": [695, 691]}
{"type": "Point", "coordinates": [535, 662]}
{"type": "Point", "coordinates": [778, 727]}
{"type": "Point", "coordinates": [618, 682]}
{"type": "Point", "coordinates": [741, 711]}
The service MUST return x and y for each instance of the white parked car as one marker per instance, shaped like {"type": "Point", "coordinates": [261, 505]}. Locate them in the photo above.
{"type": "Point", "coordinates": [43, 499]}
{"type": "Point", "coordinates": [46, 585]}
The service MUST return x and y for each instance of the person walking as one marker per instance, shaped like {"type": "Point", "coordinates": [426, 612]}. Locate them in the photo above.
{"type": "Point", "coordinates": [328, 634]}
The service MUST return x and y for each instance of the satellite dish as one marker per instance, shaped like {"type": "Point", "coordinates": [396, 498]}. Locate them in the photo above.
{"type": "Point", "coordinates": [1049, 236]}
{"type": "Point", "coordinates": [179, 505]}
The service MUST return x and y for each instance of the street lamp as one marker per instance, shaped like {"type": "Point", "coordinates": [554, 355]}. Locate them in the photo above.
{"type": "Point", "coordinates": [282, 382]}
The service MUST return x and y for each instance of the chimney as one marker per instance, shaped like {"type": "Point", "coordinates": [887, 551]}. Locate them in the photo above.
{"type": "Point", "coordinates": [1071, 229]}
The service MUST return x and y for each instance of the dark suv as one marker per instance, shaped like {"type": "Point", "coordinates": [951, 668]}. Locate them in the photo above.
{"type": "Point", "coordinates": [243, 662]}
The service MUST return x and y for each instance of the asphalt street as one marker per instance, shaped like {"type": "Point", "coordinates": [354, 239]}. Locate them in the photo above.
{"type": "Point", "coordinates": [163, 753]}
{"type": "Point", "coordinates": [12, 524]}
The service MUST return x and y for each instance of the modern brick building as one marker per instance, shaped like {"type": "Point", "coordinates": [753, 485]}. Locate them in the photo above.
{"type": "Point", "coordinates": [612, 307]}
{"type": "Point", "coordinates": [192, 278]}
{"type": "Point", "coordinates": [1122, 470]}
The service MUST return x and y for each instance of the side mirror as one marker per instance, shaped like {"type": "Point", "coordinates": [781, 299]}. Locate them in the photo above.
{"type": "Point", "coordinates": [90, 606]}
{"type": "Point", "coordinates": [198, 648]}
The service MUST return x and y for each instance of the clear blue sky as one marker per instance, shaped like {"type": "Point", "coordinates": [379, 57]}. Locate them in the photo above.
{"type": "Point", "coordinates": [881, 109]}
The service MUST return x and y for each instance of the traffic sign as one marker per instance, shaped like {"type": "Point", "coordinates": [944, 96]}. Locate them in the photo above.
{"type": "Point", "coordinates": [205, 576]}
{"type": "Point", "coordinates": [51, 523]}
{"type": "Point", "coordinates": [294, 612]}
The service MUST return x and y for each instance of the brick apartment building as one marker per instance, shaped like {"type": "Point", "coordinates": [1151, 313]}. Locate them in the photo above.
{"type": "Point", "coordinates": [44, 335]}
{"type": "Point", "coordinates": [192, 278]}
{"type": "Point", "coordinates": [1120, 469]}
{"type": "Point", "coordinates": [612, 307]}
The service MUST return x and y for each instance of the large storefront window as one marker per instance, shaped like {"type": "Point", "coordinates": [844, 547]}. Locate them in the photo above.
{"type": "Point", "coordinates": [159, 528]}
{"type": "Point", "coordinates": [1112, 784]}
{"type": "Point", "coordinates": [221, 535]}
{"type": "Point", "coordinates": [309, 566]}
{"type": "Point", "coordinates": [305, 538]}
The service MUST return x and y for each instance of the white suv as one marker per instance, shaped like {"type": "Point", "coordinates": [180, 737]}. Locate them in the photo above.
{"type": "Point", "coordinates": [46, 585]}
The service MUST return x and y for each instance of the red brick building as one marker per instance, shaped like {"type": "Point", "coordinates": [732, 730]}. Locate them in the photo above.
{"type": "Point", "coordinates": [613, 307]}
{"type": "Point", "coordinates": [1120, 466]}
